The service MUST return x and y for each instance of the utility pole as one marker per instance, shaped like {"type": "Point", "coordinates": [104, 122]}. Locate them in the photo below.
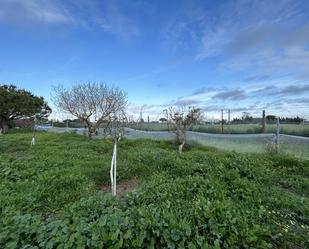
{"type": "Point", "coordinates": [222, 121]}
{"type": "Point", "coordinates": [263, 122]}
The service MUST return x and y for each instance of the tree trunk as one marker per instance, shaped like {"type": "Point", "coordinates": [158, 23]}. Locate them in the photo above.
{"type": "Point", "coordinates": [181, 139]}
{"type": "Point", "coordinates": [4, 126]}
{"type": "Point", "coordinates": [91, 131]}
{"type": "Point", "coordinates": [181, 147]}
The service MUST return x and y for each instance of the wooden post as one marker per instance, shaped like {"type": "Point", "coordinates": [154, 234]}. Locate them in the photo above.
{"type": "Point", "coordinates": [263, 122]}
{"type": "Point", "coordinates": [221, 121]}
{"type": "Point", "coordinates": [229, 116]}
{"type": "Point", "coordinates": [148, 124]}
{"type": "Point", "coordinates": [278, 135]}
{"type": "Point", "coordinates": [67, 124]}
{"type": "Point", "coordinates": [229, 120]}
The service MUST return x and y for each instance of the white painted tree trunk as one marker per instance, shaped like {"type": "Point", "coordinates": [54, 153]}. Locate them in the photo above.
{"type": "Point", "coordinates": [33, 136]}
{"type": "Point", "coordinates": [181, 147]}
{"type": "Point", "coordinates": [33, 141]}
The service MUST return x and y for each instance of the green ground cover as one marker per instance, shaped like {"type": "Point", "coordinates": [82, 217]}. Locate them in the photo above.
{"type": "Point", "coordinates": [51, 197]}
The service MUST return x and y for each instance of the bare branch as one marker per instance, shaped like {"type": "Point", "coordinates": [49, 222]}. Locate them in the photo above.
{"type": "Point", "coordinates": [91, 102]}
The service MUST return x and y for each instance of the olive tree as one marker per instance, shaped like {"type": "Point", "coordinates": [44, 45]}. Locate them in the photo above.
{"type": "Point", "coordinates": [92, 103]}
{"type": "Point", "coordinates": [182, 120]}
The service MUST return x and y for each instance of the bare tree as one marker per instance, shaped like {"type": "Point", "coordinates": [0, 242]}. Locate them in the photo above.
{"type": "Point", "coordinates": [115, 129]}
{"type": "Point", "coordinates": [91, 102]}
{"type": "Point", "coordinates": [183, 119]}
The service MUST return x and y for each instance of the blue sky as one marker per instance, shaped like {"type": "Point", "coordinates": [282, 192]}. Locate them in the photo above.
{"type": "Point", "coordinates": [239, 55]}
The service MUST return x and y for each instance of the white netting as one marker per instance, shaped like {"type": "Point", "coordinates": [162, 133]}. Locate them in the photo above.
{"type": "Point", "coordinates": [257, 143]}
{"type": "Point", "coordinates": [237, 142]}
{"type": "Point", "coordinates": [295, 145]}
{"type": "Point", "coordinates": [157, 135]}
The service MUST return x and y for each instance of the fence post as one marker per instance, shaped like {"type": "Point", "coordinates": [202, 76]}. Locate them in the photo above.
{"type": "Point", "coordinates": [278, 135]}
{"type": "Point", "coordinates": [229, 120]}
{"type": "Point", "coordinates": [263, 122]}
{"type": "Point", "coordinates": [222, 121]}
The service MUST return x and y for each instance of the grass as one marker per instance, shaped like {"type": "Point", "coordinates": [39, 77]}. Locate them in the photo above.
{"type": "Point", "coordinates": [51, 198]}
{"type": "Point", "coordinates": [289, 129]}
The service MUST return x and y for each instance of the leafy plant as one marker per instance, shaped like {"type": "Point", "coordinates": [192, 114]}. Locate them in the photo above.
{"type": "Point", "coordinates": [51, 197]}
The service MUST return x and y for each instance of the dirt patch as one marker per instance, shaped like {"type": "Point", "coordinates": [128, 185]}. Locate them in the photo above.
{"type": "Point", "coordinates": [123, 186]}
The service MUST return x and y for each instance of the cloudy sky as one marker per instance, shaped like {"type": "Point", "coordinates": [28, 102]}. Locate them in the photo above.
{"type": "Point", "coordinates": [245, 55]}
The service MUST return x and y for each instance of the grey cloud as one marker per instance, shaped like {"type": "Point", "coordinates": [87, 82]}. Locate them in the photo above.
{"type": "Point", "coordinates": [299, 101]}
{"type": "Point", "coordinates": [266, 90]}
{"type": "Point", "coordinates": [294, 90]}
{"type": "Point", "coordinates": [273, 90]}
{"type": "Point", "coordinates": [285, 91]}
{"type": "Point", "coordinates": [185, 102]}
{"type": "Point", "coordinates": [260, 77]}
{"type": "Point", "coordinates": [218, 108]}
{"type": "Point", "coordinates": [202, 90]}
{"type": "Point", "coordinates": [231, 95]}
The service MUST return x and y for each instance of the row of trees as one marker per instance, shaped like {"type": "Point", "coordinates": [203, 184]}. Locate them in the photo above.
{"type": "Point", "coordinates": [93, 104]}
{"type": "Point", "coordinates": [246, 118]}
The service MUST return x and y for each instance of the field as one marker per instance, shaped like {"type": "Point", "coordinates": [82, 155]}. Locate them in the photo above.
{"type": "Point", "coordinates": [289, 129]}
{"type": "Point", "coordinates": [53, 195]}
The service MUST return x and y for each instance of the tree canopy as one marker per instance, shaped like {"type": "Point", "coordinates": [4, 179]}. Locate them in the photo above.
{"type": "Point", "coordinates": [183, 119]}
{"type": "Point", "coordinates": [16, 103]}
{"type": "Point", "coordinates": [92, 103]}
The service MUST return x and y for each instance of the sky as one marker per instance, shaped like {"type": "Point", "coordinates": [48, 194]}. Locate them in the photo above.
{"type": "Point", "coordinates": [242, 55]}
